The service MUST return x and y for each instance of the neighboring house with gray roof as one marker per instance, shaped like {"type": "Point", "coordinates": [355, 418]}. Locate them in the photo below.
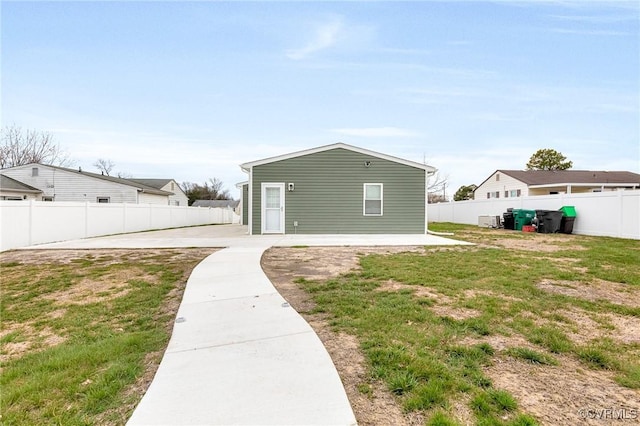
{"type": "Point", "coordinates": [178, 197]}
{"type": "Point", "coordinates": [522, 183]}
{"type": "Point", "coordinates": [11, 189]}
{"type": "Point", "coordinates": [64, 184]}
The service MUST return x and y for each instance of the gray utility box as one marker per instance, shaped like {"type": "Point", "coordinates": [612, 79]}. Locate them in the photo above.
{"type": "Point", "coordinates": [489, 221]}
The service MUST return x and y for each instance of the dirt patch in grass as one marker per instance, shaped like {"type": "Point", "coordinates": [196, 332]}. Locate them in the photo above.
{"type": "Point", "coordinates": [30, 339]}
{"type": "Point", "coordinates": [99, 256]}
{"type": "Point", "coordinates": [419, 291]}
{"type": "Point", "coordinates": [319, 263]}
{"type": "Point", "coordinates": [559, 394]}
{"type": "Point", "coordinates": [470, 294]}
{"type": "Point", "coordinates": [499, 342]}
{"type": "Point", "coordinates": [583, 327]}
{"type": "Point", "coordinates": [548, 243]}
{"type": "Point", "coordinates": [616, 293]}
{"type": "Point", "coordinates": [538, 243]}
{"type": "Point", "coordinates": [454, 312]}
{"type": "Point", "coordinates": [627, 328]}
{"type": "Point", "coordinates": [100, 289]}
{"type": "Point", "coordinates": [443, 304]}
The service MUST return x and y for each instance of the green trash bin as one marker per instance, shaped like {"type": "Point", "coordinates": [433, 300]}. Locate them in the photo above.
{"type": "Point", "coordinates": [568, 211]}
{"type": "Point", "coordinates": [568, 218]}
{"type": "Point", "coordinates": [522, 217]}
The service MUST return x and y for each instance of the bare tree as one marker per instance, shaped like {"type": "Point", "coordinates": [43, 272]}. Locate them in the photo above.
{"type": "Point", "coordinates": [24, 146]}
{"type": "Point", "coordinates": [105, 166]}
{"type": "Point", "coordinates": [437, 188]}
{"type": "Point", "coordinates": [212, 190]}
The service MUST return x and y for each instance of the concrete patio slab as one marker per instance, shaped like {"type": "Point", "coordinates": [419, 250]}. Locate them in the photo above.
{"type": "Point", "coordinates": [236, 236]}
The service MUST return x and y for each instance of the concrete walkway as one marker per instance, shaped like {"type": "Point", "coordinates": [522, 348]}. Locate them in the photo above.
{"type": "Point", "coordinates": [239, 354]}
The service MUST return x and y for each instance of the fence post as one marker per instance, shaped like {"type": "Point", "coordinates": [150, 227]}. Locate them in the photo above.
{"type": "Point", "coordinates": [31, 222]}
{"type": "Point", "coordinates": [620, 213]}
{"type": "Point", "coordinates": [86, 219]}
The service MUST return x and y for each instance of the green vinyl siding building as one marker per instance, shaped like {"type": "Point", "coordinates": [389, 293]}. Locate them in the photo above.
{"type": "Point", "coordinates": [335, 189]}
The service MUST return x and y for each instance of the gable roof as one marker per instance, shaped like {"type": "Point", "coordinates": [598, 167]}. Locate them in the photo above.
{"type": "Point", "coordinates": [216, 203]}
{"type": "Point", "coordinates": [551, 177]}
{"type": "Point", "coordinates": [159, 184]}
{"type": "Point", "coordinates": [9, 184]}
{"type": "Point", "coordinates": [122, 181]}
{"type": "Point", "coordinates": [154, 183]}
{"type": "Point", "coordinates": [249, 165]}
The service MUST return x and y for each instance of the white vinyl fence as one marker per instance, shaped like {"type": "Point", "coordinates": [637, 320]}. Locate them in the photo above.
{"type": "Point", "coordinates": [613, 214]}
{"type": "Point", "coordinates": [25, 223]}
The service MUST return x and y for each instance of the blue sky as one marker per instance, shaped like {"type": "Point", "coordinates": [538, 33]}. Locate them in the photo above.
{"type": "Point", "coordinates": [190, 90]}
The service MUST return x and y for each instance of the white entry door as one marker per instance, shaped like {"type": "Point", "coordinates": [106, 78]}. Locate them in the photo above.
{"type": "Point", "coordinates": [273, 208]}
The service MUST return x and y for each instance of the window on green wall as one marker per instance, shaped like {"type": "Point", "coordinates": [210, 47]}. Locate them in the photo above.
{"type": "Point", "coordinates": [372, 199]}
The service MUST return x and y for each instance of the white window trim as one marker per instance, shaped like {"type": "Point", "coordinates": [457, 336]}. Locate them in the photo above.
{"type": "Point", "coordinates": [364, 199]}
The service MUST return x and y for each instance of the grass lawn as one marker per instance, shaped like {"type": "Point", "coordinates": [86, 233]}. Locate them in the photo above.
{"type": "Point", "coordinates": [83, 331]}
{"type": "Point", "coordinates": [518, 329]}
{"type": "Point", "coordinates": [491, 324]}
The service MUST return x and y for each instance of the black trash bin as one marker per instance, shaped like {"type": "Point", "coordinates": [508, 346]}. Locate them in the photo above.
{"type": "Point", "coordinates": [568, 217]}
{"type": "Point", "coordinates": [566, 226]}
{"type": "Point", "coordinates": [549, 221]}
{"type": "Point", "coordinates": [538, 221]}
{"type": "Point", "coordinates": [508, 219]}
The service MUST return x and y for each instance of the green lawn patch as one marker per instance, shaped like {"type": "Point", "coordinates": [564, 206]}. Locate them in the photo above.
{"type": "Point", "coordinates": [79, 332]}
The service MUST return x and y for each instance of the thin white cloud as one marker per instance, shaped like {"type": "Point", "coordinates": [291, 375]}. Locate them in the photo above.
{"type": "Point", "coordinates": [325, 36]}
{"type": "Point", "coordinates": [590, 32]}
{"type": "Point", "coordinates": [375, 132]}
{"type": "Point", "coordinates": [596, 19]}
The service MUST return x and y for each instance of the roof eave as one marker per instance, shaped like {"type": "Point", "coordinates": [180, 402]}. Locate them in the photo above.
{"type": "Point", "coordinates": [21, 191]}
{"type": "Point", "coordinates": [582, 184]}
{"type": "Point", "coordinates": [246, 167]}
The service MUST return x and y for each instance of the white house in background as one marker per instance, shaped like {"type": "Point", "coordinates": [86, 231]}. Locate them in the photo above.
{"type": "Point", "coordinates": [522, 183]}
{"type": "Point", "coordinates": [11, 189]}
{"type": "Point", "coordinates": [178, 197]}
{"type": "Point", "coordinates": [63, 184]}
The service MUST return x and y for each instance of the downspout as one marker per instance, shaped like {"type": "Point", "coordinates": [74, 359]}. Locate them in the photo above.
{"type": "Point", "coordinates": [426, 201]}
{"type": "Point", "coordinates": [250, 202]}
{"type": "Point", "coordinates": [426, 209]}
